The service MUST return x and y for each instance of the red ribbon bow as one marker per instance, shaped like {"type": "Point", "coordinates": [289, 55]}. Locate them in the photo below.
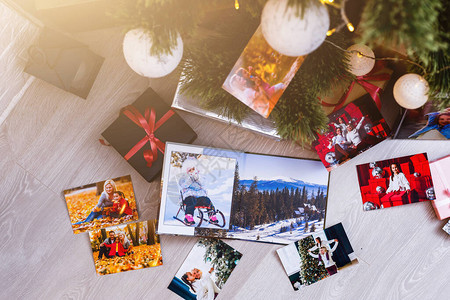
{"type": "Point", "coordinates": [146, 122]}
{"type": "Point", "coordinates": [372, 89]}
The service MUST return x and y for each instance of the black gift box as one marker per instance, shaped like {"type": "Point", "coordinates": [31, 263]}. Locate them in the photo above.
{"type": "Point", "coordinates": [64, 62]}
{"type": "Point", "coordinates": [123, 134]}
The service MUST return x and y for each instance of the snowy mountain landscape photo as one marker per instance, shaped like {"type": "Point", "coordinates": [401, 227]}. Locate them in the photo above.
{"type": "Point", "coordinates": [276, 199]}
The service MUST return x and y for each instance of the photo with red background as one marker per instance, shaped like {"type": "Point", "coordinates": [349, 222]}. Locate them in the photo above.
{"type": "Point", "coordinates": [374, 180]}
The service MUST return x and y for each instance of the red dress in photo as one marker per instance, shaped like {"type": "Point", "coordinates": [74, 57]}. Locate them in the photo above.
{"type": "Point", "coordinates": [123, 207]}
{"type": "Point", "coordinates": [116, 249]}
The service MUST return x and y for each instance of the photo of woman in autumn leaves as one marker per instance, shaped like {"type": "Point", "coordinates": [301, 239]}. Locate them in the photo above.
{"type": "Point", "coordinates": [101, 204]}
{"type": "Point", "coordinates": [126, 247]}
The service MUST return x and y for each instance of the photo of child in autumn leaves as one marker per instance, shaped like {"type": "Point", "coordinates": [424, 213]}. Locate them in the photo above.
{"type": "Point", "coordinates": [101, 204]}
{"type": "Point", "coordinates": [126, 247]}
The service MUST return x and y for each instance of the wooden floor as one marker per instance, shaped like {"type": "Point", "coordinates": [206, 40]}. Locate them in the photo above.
{"type": "Point", "coordinates": [48, 142]}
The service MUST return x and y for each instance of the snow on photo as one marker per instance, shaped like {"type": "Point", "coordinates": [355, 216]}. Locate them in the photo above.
{"type": "Point", "coordinates": [199, 190]}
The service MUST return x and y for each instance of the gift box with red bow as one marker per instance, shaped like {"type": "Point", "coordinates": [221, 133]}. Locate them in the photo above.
{"type": "Point", "coordinates": [372, 83]}
{"type": "Point", "coordinates": [140, 132]}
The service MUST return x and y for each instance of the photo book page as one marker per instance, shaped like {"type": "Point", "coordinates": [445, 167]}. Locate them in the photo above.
{"type": "Point", "coordinates": [320, 255]}
{"type": "Point", "coordinates": [231, 194]}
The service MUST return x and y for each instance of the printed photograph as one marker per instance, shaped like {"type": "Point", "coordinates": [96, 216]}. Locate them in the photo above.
{"type": "Point", "coordinates": [426, 123]}
{"type": "Point", "coordinates": [101, 204]}
{"type": "Point", "coordinates": [199, 190]}
{"type": "Point", "coordinates": [395, 181]}
{"type": "Point", "coordinates": [126, 247]}
{"type": "Point", "coordinates": [261, 74]}
{"type": "Point", "coordinates": [278, 199]}
{"type": "Point", "coordinates": [441, 184]}
{"type": "Point", "coordinates": [351, 130]}
{"type": "Point", "coordinates": [446, 227]}
{"type": "Point", "coordinates": [205, 270]}
{"type": "Point", "coordinates": [317, 256]}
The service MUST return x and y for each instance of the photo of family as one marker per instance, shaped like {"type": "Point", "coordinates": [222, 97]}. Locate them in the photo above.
{"type": "Point", "coordinates": [395, 181]}
{"type": "Point", "coordinates": [205, 270]}
{"type": "Point", "coordinates": [199, 190]}
{"type": "Point", "coordinates": [317, 256]}
{"type": "Point", "coordinates": [351, 130]}
{"type": "Point", "coordinates": [102, 204]}
{"type": "Point", "coordinates": [126, 247]}
{"type": "Point", "coordinates": [425, 123]}
{"type": "Point", "coordinates": [261, 74]}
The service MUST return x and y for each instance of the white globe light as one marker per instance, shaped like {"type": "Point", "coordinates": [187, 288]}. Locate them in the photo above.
{"type": "Point", "coordinates": [136, 49]}
{"type": "Point", "coordinates": [360, 64]}
{"type": "Point", "coordinates": [290, 34]}
{"type": "Point", "coordinates": [410, 91]}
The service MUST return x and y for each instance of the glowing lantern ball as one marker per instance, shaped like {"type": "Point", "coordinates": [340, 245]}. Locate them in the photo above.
{"type": "Point", "coordinates": [136, 49]}
{"type": "Point", "coordinates": [360, 64]}
{"type": "Point", "coordinates": [410, 91]}
{"type": "Point", "coordinates": [288, 33]}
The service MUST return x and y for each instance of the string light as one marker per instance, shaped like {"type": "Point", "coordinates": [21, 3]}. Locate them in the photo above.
{"type": "Point", "coordinates": [350, 27]}
{"type": "Point", "coordinates": [236, 4]}
{"type": "Point", "coordinates": [345, 21]}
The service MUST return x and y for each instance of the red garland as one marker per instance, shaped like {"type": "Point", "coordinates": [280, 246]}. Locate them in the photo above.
{"type": "Point", "coordinates": [149, 125]}
{"type": "Point", "coordinates": [372, 89]}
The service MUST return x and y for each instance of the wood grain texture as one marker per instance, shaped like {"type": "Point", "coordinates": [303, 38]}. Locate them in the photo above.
{"type": "Point", "coordinates": [49, 142]}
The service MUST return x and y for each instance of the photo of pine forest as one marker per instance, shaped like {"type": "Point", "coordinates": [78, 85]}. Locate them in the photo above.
{"type": "Point", "coordinates": [276, 208]}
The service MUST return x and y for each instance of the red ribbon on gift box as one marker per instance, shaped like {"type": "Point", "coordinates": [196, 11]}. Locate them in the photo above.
{"type": "Point", "coordinates": [147, 122]}
{"type": "Point", "coordinates": [372, 89]}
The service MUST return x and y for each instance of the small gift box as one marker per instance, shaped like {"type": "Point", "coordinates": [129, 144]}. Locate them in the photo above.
{"type": "Point", "coordinates": [372, 83]}
{"type": "Point", "coordinates": [439, 171]}
{"type": "Point", "coordinates": [64, 62]}
{"type": "Point", "coordinates": [140, 132]}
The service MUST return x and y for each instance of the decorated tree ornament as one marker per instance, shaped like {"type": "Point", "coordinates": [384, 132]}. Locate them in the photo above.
{"type": "Point", "coordinates": [291, 32]}
{"type": "Point", "coordinates": [411, 91]}
{"type": "Point", "coordinates": [360, 62]}
{"type": "Point", "coordinates": [136, 49]}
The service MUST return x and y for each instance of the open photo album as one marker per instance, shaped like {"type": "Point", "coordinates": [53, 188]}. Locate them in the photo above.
{"type": "Point", "coordinates": [231, 194]}
{"type": "Point", "coordinates": [318, 256]}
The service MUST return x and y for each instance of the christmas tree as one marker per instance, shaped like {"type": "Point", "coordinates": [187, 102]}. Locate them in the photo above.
{"type": "Point", "coordinates": [311, 271]}
{"type": "Point", "coordinates": [222, 257]}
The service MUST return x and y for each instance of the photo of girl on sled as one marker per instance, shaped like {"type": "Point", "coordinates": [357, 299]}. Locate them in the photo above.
{"type": "Point", "coordinates": [199, 190]}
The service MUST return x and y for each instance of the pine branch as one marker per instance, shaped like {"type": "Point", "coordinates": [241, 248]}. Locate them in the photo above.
{"type": "Point", "coordinates": [412, 23]}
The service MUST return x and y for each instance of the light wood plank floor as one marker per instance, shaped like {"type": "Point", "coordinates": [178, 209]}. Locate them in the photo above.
{"type": "Point", "coordinates": [48, 142]}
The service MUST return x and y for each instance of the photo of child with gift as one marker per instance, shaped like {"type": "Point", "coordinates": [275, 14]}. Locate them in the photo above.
{"type": "Point", "coordinates": [317, 256]}
{"type": "Point", "coordinates": [101, 204]}
{"type": "Point", "coordinates": [205, 270]}
{"type": "Point", "coordinates": [261, 74]}
{"type": "Point", "coordinates": [352, 130]}
{"type": "Point", "coordinates": [200, 189]}
{"type": "Point", "coordinates": [396, 181]}
{"type": "Point", "coordinates": [126, 247]}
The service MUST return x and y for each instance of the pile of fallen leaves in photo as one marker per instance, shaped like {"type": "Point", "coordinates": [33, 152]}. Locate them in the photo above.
{"type": "Point", "coordinates": [81, 204]}
{"type": "Point", "coordinates": [143, 256]}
